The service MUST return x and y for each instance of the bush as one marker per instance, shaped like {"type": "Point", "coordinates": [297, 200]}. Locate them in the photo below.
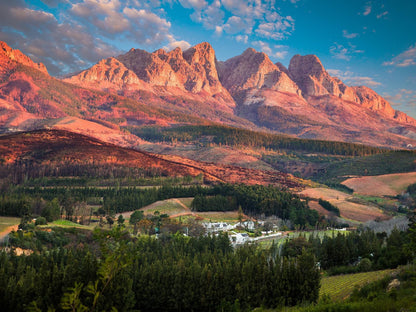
{"type": "Point", "coordinates": [41, 221]}
{"type": "Point", "coordinates": [365, 265]}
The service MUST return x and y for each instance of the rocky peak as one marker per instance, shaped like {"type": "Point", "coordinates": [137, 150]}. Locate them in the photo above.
{"type": "Point", "coordinates": [307, 65]}
{"type": "Point", "coordinates": [15, 55]}
{"type": "Point", "coordinates": [201, 53]}
{"type": "Point", "coordinates": [254, 69]}
{"type": "Point", "coordinates": [193, 70]}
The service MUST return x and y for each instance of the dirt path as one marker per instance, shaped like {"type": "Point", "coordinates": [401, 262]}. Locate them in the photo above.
{"type": "Point", "coordinates": [180, 203]}
{"type": "Point", "coordinates": [7, 231]}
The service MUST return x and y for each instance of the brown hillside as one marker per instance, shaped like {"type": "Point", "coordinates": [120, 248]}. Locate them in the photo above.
{"type": "Point", "coordinates": [54, 148]}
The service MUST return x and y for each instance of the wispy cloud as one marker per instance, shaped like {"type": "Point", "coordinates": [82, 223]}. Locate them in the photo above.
{"type": "Point", "coordinates": [367, 9]}
{"type": "Point", "coordinates": [342, 52]}
{"type": "Point", "coordinates": [404, 59]}
{"type": "Point", "coordinates": [348, 35]}
{"type": "Point", "coordinates": [338, 51]}
{"type": "Point", "coordinates": [353, 80]}
{"type": "Point", "coordinates": [383, 14]}
{"type": "Point", "coordinates": [402, 97]}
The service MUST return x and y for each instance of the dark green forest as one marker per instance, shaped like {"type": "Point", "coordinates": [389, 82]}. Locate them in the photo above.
{"type": "Point", "coordinates": [103, 270]}
{"type": "Point", "coordinates": [225, 135]}
{"type": "Point", "coordinates": [357, 251]}
{"type": "Point", "coordinates": [173, 273]}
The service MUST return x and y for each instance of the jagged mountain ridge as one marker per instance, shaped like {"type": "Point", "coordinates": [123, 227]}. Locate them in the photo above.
{"type": "Point", "coordinates": [196, 70]}
{"type": "Point", "coordinates": [247, 91]}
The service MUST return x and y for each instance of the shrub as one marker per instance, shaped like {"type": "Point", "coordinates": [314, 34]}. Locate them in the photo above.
{"type": "Point", "coordinates": [41, 221]}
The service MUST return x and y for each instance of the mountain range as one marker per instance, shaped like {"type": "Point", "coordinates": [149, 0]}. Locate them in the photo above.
{"type": "Point", "coordinates": [178, 87]}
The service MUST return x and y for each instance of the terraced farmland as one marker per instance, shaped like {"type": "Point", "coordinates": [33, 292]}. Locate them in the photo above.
{"type": "Point", "coordinates": [340, 287]}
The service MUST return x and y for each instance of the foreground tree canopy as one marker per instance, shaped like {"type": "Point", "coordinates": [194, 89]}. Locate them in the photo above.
{"type": "Point", "coordinates": [174, 273]}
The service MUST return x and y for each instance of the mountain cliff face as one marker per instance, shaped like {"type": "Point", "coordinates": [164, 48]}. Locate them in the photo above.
{"type": "Point", "coordinates": [193, 70]}
{"type": "Point", "coordinates": [254, 70]}
{"type": "Point", "coordinates": [165, 88]}
{"type": "Point", "coordinates": [312, 78]}
{"type": "Point", "coordinates": [309, 73]}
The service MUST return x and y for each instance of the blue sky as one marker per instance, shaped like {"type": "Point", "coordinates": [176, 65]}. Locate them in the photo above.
{"type": "Point", "coordinates": [370, 43]}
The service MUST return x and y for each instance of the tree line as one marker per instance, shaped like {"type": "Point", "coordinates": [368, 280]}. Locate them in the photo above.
{"type": "Point", "coordinates": [355, 251]}
{"type": "Point", "coordinates": [254, 200]}
{"type": "Point", "coordinates": [226, 135]}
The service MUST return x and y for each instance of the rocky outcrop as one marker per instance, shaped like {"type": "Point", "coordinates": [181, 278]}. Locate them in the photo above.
{"type": "Point", "coordinates": [106, 74]}
{"type": "Point", "coordinates": [254, 70]}
{"type": "Point", "coordinates": [404, 118]}
{"type": "Point", "coordinates": [7, 53]}
{"type": "Point", "coordinates": [371, 100]}
{"type": "Point", "coordinates": [312, 78]}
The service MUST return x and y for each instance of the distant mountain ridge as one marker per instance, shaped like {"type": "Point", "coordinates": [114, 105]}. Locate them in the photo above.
{"type": "Point", "coordinates": [248, 91]}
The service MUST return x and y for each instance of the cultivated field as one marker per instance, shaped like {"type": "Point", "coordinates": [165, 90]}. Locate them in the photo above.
{"type": "Point", "coordinates": [340, 287]}
{"type": "Point", "coordinates": [382, 185]}
{"type": "Point", "coordinates": [181, 208]}
{"type": "Point", "coordinates": [8, 224]}
{"type": "Point", "coordinates": [349, 210]}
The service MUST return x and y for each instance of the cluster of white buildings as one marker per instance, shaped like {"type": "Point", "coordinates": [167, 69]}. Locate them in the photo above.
{"type": "Point", "coordinates": [235, 237]}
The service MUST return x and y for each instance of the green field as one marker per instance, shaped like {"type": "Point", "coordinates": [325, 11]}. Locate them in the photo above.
{"type": "Point", "coordinates": [67, 223]}
{"type": "Point", "coordinates": [6, 222]}
{"type": "Point", "coordinates": [293, 234]}
{"type": "Point", "coordinates": [340, 287]}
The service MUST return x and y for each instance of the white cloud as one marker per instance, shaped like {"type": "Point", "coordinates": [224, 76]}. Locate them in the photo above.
{"type": "Point", "coordinates": [184, 45]}
{"type": "Point", "coordinates": [404, 59]}
{"type": "Point", "coordinates": [244, 17]}
{"type": "Point", "coordinates": [210, 17]}
{"type": "Point", "coordinates": [82, 34]}
{"type": "Point", "coordinates": [242, 38]}
{"type": "Point", "coordinates": [282, 53]}
{"type": "Point", "coordinates": [277, 30]}
{"type": "Point", "coordinates": [234, 25]}
{"type": "Point", "coordinates": [194, 4]}
{"type": "Point", "coordinates": [218, 30]}
{"type": "Point", "coordinates": [264, 46]}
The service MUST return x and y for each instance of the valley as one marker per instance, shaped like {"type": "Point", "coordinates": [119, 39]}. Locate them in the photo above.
{"type": "Point", "coordinates": [169, 180]}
